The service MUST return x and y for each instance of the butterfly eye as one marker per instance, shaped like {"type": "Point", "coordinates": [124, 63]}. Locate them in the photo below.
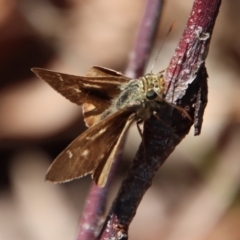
{"type": "Point", "coordinates": [151, 94]}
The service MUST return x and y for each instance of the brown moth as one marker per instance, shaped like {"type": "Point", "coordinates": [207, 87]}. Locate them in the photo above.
{"type": "Point", "coordinates": [111, 102]}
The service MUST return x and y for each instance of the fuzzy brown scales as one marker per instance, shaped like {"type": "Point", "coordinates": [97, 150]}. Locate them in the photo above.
{"type": "Point", "coordinates": [111, 103]}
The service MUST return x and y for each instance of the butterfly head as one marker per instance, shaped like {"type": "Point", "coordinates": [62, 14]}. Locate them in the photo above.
{"type": "Point", "coordinates": [153, 86]}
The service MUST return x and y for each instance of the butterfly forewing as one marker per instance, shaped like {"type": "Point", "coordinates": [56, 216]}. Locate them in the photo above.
{"type": "Point", "coordinates": [103, 87]}
{"type": "Point", "coordinates": [93, 92]}
{"type": "Point", "coordinates": [89, 150]}
{"type": "Point", "coordinates": [101, 173]}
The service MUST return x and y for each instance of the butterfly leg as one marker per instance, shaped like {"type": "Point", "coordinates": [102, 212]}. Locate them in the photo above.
{"type": "Point", "coordinates": [141, 134]}
{"type": "Point", "coordinates": [139, 129]}
{"type": "Point", "coordinates": [156, 116]}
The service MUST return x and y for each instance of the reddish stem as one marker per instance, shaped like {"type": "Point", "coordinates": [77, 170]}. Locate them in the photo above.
{"type": "Point", "coordinates": [144, 41]}
{"type": "Point", "coordinates": [187, 87]}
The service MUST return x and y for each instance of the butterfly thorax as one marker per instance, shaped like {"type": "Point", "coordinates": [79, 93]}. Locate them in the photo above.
{"type": "Point", "coordinates": [141, 94]}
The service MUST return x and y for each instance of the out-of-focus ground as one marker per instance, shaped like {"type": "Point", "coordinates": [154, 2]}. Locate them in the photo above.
{"type": "Point", "coordinates": [195, 195]}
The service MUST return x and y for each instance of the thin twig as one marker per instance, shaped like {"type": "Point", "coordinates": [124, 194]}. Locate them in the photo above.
{"type": "Point", "coordinates": [144, 41]}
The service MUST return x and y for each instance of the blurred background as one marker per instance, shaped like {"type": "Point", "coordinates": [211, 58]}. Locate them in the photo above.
{"type": "Point", "coordinates": [195, 195]}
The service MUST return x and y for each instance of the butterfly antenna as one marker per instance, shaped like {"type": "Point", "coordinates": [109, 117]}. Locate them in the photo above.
{"type": "Point", "coordinates": [162, 44]}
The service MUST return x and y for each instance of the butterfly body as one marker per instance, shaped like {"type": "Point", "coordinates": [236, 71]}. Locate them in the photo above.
{"type": "Point", "coordinates": [139, 94]}
{"type": "Point", "coordinates": [111, 102]}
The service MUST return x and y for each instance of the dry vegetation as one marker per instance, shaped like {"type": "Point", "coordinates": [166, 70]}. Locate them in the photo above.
{"type": "Point", "coordinates": [195, 195]}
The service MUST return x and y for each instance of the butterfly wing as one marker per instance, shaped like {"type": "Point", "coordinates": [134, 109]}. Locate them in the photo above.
{"type": "Point", "coordinates": [92, 115]}
{"type": "Point", "coordinates": [97, 71]}
{"type": "Point", "coordinates": [90, 149]}
{"type": "Point", "coordinates": [101, 173]}
{"type": "Point", "coordinates": [94, 92]}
